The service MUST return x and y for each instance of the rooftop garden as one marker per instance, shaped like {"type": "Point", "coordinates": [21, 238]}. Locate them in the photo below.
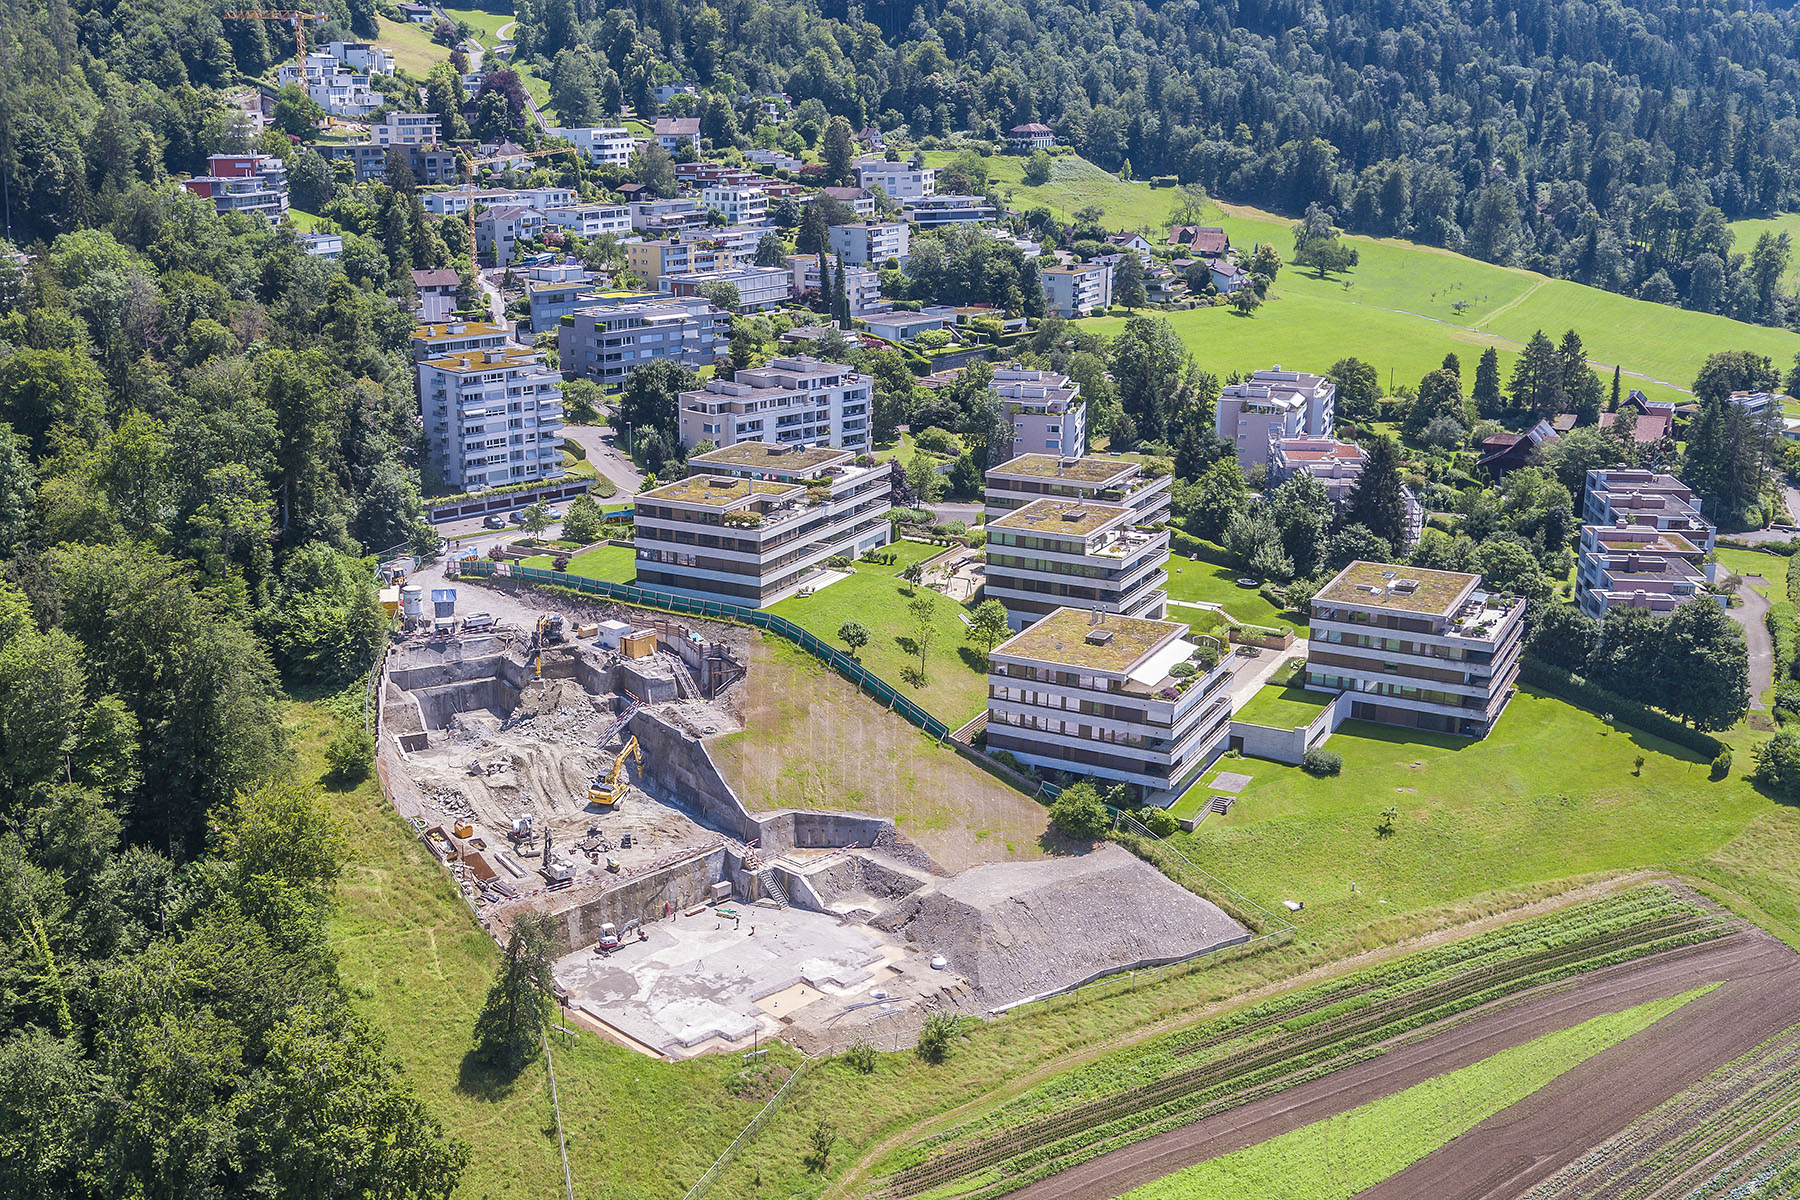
{"type": "Point", "coordinates": [1069, 638]}
{"type": "Point", "coordinates": [1283, 707]}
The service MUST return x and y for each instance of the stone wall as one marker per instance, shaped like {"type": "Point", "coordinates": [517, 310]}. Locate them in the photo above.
{"type": "Point", "coordinates": [645, 898]}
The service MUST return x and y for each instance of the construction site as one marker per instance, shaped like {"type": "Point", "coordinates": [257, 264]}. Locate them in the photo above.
{"type": "Point", "coordinates": [558, 762]}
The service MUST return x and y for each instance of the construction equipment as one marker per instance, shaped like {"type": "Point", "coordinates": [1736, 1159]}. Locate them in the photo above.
{"type": "Point", "coordinates": [609, 788]}
{"type": "Point", "coordinates": [297, 18]}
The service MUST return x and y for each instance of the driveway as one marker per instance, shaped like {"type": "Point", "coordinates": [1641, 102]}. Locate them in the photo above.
{"type": "Point", "coordinates": [1753, 616]}
{"type": "Point", "coordinates": [607, 459]}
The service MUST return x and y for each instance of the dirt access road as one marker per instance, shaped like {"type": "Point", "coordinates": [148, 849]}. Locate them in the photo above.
{"type": "Point", "coordinates": [1558, 1123]}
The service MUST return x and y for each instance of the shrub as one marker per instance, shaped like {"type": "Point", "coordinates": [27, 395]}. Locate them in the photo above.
{"type": "Point", "coordinates": [1183, 670]}
{"type": "Point", "coordinates": [937, 441]}
{"type": "Point", "coordinates": [561, 562]}
{"type": "Point", "coordinates": [1160, 821]}
{"type": "Point", "coordinates": [350, 755]}
{"type": "Point", "coordinates": [1080, 813]}
{"type": "Point", "coordinates": [939, 1030]}
{"type": "Point", "coordinates": [1721, 766]}
{"type": "Point", "coordinates": [1778, 763]}
{"type": "Point", "coordinates": [1320, 761]}
{"type": "Point", "coordinates": [861, 1056]}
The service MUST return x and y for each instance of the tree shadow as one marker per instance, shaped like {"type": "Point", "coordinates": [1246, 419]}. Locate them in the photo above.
{"type": "Point", "coordinates": [907, 645]}
{"type": "Point", "coordinates": [975, 658]}
{"type": "Point", "coordinates": [483, 1080]}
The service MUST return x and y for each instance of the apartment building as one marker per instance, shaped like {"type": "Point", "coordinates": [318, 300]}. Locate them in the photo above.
{"type": "Point", "coordinates": [605, 145]}
{"type": "Point", "coordinates": [427, 164]}
{"type": "Point", "coordinates": [1031, 477]}
{"type": "Point", "coordinates": [861, 283]}
{"type": "Point", "coordinates": [364, 56]}
{"type": "Point", "coordinates": [1429, 650]}
{"type": "Point", "coordinates": [1638, 497]}
{"type": "Point", "coordinates": [1075, 554]}
{"type": "Point", "coordinates": [1638, 566]}
{"type": "Point", "coordinates": [1272, 404]}
{"type": "Point", "coordinates": [1076, 290]}
{"type": "Point", "coordinates": [754, 522]}
{"type": "Point", "coordinates": [492, 417]}
{"type": "Point", "coordinates": [607, 343]}
{"type": "Point", "coordinates": [499, 229]}
{"type": "Point", "coordinates": [456, 337]}
{"type": "Point", "coordinates": [898, 180]}
{"type": "Point", "coordinates": [759, 288]}
{"type": "Point", "coordinates": [870, 243]}
{"type": "Point", "coordinates": [1023, 139]}
{"type": "Point", "coordinates": [1337, 466]}
{"type": "Point", "coordinates": [775, 160]}
{"type": "Point", "coordinates": [253, 184]}
{"type": "Point", "coordinates": [739, 204]}
{"type": "Point", "coordinates": [663, 218]}
{"type": "Point", "coordinates": [860, 199]}
{"type": "Point", "coordinates": [929, 212]}
{"type": "Point", "coordinates": [406, 129]}
{"type": "Point", "coordinates": [591, 220]}
{"type": "Point", "coordinates": [797, 401]}
{"type": "Point", "coordinates": [438, 290]}
{"type": "Point", "coordinates": [1121, 698]}
{"type": "Point", "coordinates": [1047, 411]}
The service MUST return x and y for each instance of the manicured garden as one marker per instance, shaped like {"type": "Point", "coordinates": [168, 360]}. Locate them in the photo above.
{"type": "Point", "coordinates": [615, 564]}
{"type": "Point", "coordinates": [1283, 707]}
{"type": "Point", "coordinates": [1197, 581]}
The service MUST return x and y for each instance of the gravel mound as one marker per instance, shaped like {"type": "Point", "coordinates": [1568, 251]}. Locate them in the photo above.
{"type": "Point", "coordinates": [1021, 930]}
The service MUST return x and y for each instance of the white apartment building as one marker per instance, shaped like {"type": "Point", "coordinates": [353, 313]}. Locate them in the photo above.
{"type": "Point", "coordinates": [1270, 405]}
{"type": "Point", "coordinates": [1076, 290]}
{"type": "Point", "coordinates": [862, 284]}
{"type": "Point", "coordinates": [1108, 696]}
{"type": "Point", "coordinates": [605, 145]}
{"type": "Point", "coordinates": [672, 215]}
{"type": "Point", "coordinates": [1047, 411]}
{"type": "Point", "coordinates": [754, 522]}
{"type": "Point", "coordinates": [344, 94]}
{"type": "Point", "coordinates": [456, 337]}
{"type": "Point", "coordinates": [1028, 478]}
{"type": "Point", "coordinates": [739, 204]}
{"type": "Point", "coordinates": [254, 184]}
{"type": "Point", "coordinates": [499, 229]}
{"type": "Point", "coordinates": [1632, 496]}
{"type": "Point", "coordinates": [438, 292]}
{"type": "Point", "coordinates": [774, 159]}
{"type": "Point", "coordinates": [606, 343]}
{"type": "Point", "coordinates": [1084, 554]}
{"type": "Point", "coordinates": [870, 243]}
{"type": "Point", "coordinates": [492, 417]}
{"type": "Point", "coordinates": [929, 212]}
{"type": "Point", "coordinates": [1337, 466]}
{"type": "Point", "coordinates": [759, 288]}
{"type": "Point", "coordinates": [1638, 566]}
{"type": "Point", "coordinates": [591, 220]}
{"type": "Point", "coordinates": [406, 129]}
{"type": "Point", "coordinates": [796, 401]}
{"type": "Point", "coordinates": [898, 180]}
{"type": "Point", "coordinates": [364, 56]}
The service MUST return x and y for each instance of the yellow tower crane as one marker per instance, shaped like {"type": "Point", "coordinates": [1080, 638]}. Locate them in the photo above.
{"type": "Point", "coordinates": [296, 17]}
{"type": "Point", "coordinates": [469, 165]}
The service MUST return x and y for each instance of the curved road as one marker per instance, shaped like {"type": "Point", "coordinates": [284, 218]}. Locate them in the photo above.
{"type": "Point", "coordinates": [1753, 615]}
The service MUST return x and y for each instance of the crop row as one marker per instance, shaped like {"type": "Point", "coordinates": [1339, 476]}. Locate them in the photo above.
{"type": "Point", "coordinates": [1377, 985]}
{"type": "Point", "coordinates": [1291, 1050]}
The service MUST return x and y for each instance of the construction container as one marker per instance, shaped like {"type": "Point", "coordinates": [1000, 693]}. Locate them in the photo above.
{"type": "Point", "coordinates": [390, 600]}
{"type": "Point", "coordinates": [412, 601]}
{"type": "Point", "coordinates": [609, 634]}
{"type": "Point", "coordinates": [587, 631]}
{"type": "Point", "coordinates": [443, 602]}
{"type": "Point", "coordinates": [463, 829]}
{"type": "Point", "coordinates": [638, 643]}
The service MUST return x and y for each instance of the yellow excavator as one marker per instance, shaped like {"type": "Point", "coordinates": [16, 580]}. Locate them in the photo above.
{"type": "Point", "coordinates": [609, 788]}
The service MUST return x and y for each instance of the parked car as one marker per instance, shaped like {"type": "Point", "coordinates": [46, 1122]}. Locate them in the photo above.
{"type": "Point", "coordinates": [516, 516]}
{"type": "Point", "coordinates": [555, 514]}
{"type": "Point", "coordinates": [493, 521]}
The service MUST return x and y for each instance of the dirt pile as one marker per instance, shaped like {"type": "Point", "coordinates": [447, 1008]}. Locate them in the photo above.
{"type": "Point", "coordinates": [1019, 930]}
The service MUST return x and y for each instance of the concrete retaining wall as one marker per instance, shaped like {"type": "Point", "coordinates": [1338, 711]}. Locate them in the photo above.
{"type": "Point", "coordinates": [646, 898]}
{"type": "Point", "coordinates": [1289, 745]}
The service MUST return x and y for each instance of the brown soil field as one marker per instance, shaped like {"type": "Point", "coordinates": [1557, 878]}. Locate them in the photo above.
{"type": "Point", "coordinates": [810, 740]}
{"type": "Point", "coordinates": [1519, 1147]}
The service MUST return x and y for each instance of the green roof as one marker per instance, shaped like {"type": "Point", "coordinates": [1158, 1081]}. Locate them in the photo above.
{"type": "Point", "coordinates": [1071, 637]}
{"type": "Point", "coordinates": [1060, 518]}
{"type": "Point", "coordinates": [1090, 470]}
{"type": "Point", "coordinates": [772, 456]}
{"type": "Point", "coordinates": [1281, 707]}
{"type": "Point", "coordinates": [715, 491]}
{"type": "Point", "coordinates": [1398, 587]}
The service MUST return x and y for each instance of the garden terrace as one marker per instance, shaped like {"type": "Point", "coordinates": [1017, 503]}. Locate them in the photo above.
{"type": "Point", "coordinates": [1281, 707]}
{"type": "Point", "coordinates": [1093, 471]}
{"type": "Point", "coordinates": [1103, 642]}
{"type": "Point", "coordinates": [769, 456]}
{"type": "Point", "coordinates": [715, 491]}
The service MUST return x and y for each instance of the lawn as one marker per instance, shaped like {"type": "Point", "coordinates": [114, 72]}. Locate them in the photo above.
{"type": "Point", "coordinates": [1744, 234]}
{"type": "Point", "coordinates": [411, 45]}
{"type": "Point", "coordinates": [956, 669]}
{"type": "Point", "coordinates": [1197, 581]}
{"type": "Point", "coordinates": [1404, 306]}
{"type": "Point", "coordinates": [1749, 563]}
{"type": "Point", "coordinates": [615, 564]}
{"type": "Point", "coordinates": [1283, 707]}
{"type": "Point", "coordinates": [305, 222]}
{"type": "Point", "coordinates": [1336, 1158]}
{"type": "Point", "coordinates": [485, 19]}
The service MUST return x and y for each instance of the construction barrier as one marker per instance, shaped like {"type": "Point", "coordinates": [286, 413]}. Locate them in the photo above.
{"type": "Point", "coordinates": [839, 661]}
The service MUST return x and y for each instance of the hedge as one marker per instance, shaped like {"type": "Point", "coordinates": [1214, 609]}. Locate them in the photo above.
{"type": "Point", "coordinates": [1578, 691]}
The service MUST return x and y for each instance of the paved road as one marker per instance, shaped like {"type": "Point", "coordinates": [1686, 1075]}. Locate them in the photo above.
{"type": "Point", "coordinates": [608, 459]}
{"type": "Point", "coordinates": [1753, 616]}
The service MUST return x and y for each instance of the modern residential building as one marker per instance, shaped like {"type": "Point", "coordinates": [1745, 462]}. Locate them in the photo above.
{"type": "Point", "coordinates": [870, 243]}
{"type": "Point", "coordinates": [1104, 695]}
{"type": "Point", "coordinates": [796, 401]}
{"type": "Point", "coordinates": [1047, 411]}
{"type": "Point", "coordinates": [901, 326]}
{"type": "Point", "coordinates": [759, 288]}
{"type": "Point", "coordinates": [253, 184]}
{"type": "Point", "coordinates": [775, 160]}
{"type": "Point", "coordinates": [1423, 649]}
{"type": "Point", "coordinates": [861, 283]}
{"type": "Point", "coordinates": [1637, 497]}
{"type": "Point", "coordinates": [860, 199]}
{"type": "Point", "coordinates": [1032, 477]}
{"type": "Point", "coordinates": [1337, 465]}
{"type": "Point", "coordinates": [754, 522]}
{"type": "Point", "coordinates": [900, 181]}
{"type": "Point", "coordinates": [661, 218]}
{"type": "Point", "coordinates": [406, 129]}
{"type": "Point", "coordinates": [1273, 404]}
{"type": "Point", "coordinates": [323, 245]}
{"type": "Point", "coordinates": [438, 292]}
{"type": "Point", "coordinates": [1083, 554]}
{"type": "Point", "coordinates": [492, 417]}
{"type": "Point", "coordinates": [606, 343]}
{"type": "Point", "coordinates": [499, 229]}
{"type": "Point", "coordinates": [591, 220]}
{"type": "Point", "coordinates": [672, 132]}
{"type": "Point", "coordinates": [1761, 404]}
{"type": "Point", "coordinates": [456, 337]}
{"type": "Point", "coordinates": [1023, 139]}
{"type": "Point", "coordinates": [1638, 566]}
{"type": "Point", "coordinates": [1028, 248]}
{"type": "Point", "coordinates": [928, 212]}
{"type": "Point", "coordinates": [739, 204]}
{"type": "Point", "coordinates": [605, 145]}
{"type": "Point", "coordinates": [364, 56]}
{"type": "Point", "coordinates": [1076, 290]}
{"type": "Point", "coordinates": [651, 259]}
{"type": "Point", "coordinates": [428, 165]}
